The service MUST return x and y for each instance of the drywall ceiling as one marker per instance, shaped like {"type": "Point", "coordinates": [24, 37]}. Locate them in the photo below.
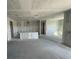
{"type": "Point", "coordinates": [35, 9]}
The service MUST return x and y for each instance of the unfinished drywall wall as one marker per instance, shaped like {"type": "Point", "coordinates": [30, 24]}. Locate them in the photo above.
{"type": "Point", "coordinates": [25, 26]}
{"type": "Point", "coordinates": [67, 28]}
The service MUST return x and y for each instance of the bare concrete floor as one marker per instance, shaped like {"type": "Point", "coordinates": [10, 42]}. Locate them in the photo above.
{"type": "Point", "coordinates": [37, 49]}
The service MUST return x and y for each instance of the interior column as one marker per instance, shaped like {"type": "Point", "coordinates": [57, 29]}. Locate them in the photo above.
{"type": "Point", "coordinates": [67, 28]}
{"type": "Point", "coordinates": [40, 27]}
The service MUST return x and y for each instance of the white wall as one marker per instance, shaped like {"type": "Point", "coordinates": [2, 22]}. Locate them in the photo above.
{"type": "Point", "coordinates": [51, 27]}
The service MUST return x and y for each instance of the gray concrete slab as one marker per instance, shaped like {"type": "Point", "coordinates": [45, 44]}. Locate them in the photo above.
{"type": "Point", "coordinates": [37, 49]}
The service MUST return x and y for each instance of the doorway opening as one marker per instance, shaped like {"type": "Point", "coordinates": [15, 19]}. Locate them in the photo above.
{"type": "Point", "coordinates": [11, 27]}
